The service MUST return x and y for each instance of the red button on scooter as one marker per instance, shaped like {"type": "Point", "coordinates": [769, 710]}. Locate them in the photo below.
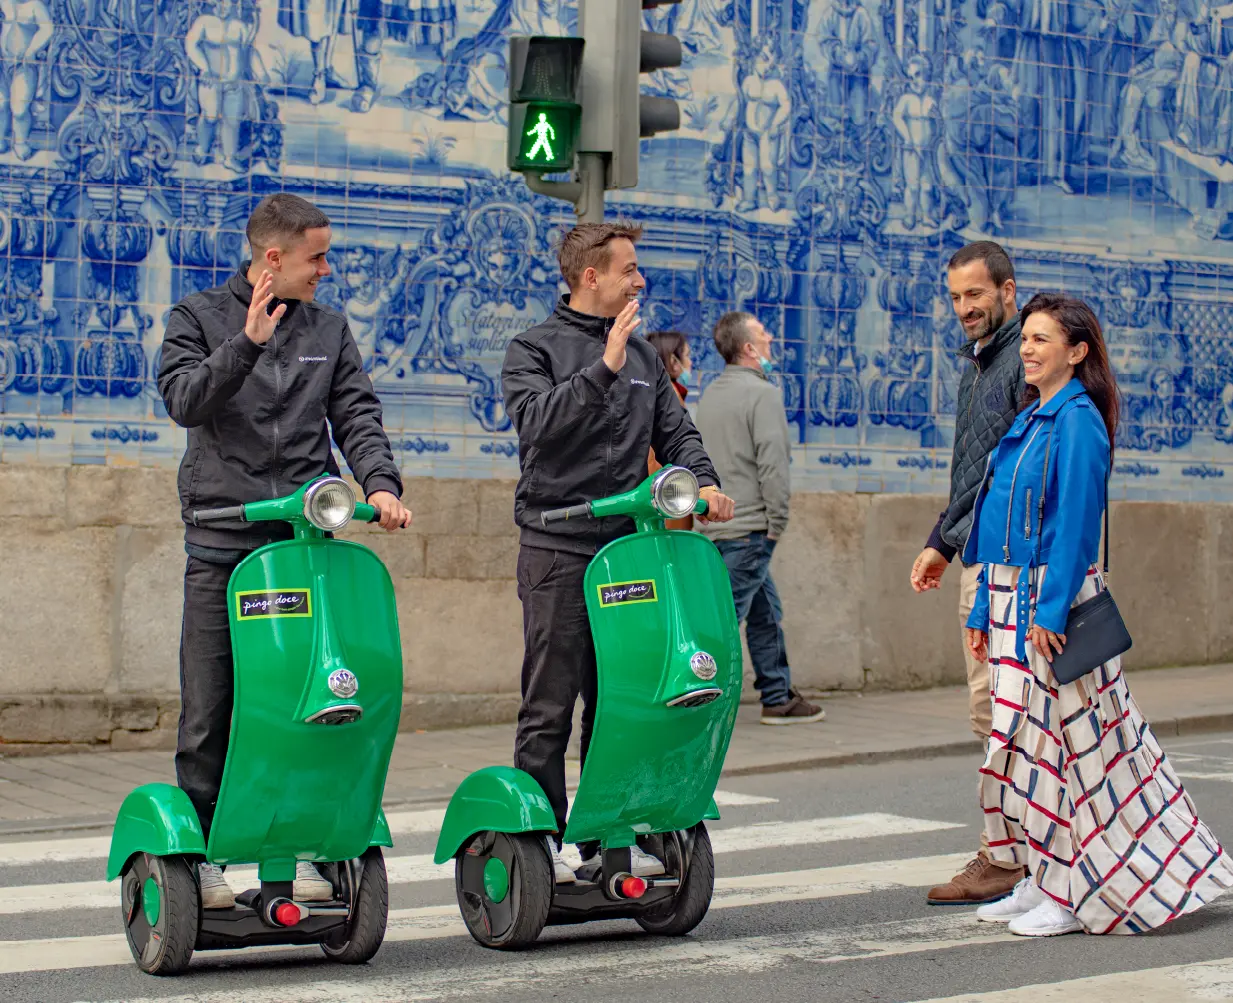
{"type": "Point", "coordinates": [287, 914]}
{"type": "Point", "coordinates": [633, 888]}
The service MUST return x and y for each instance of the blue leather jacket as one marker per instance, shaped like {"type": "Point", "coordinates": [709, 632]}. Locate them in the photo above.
{"type": "Point", "coordinates": [1007, 512]}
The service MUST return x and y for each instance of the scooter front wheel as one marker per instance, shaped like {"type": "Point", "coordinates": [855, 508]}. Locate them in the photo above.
{"type": "Point", "coordinates": [161, 906]}
{"type": "Point", "coordinates": [693, 898]}
{"type": "Point", "coordinates": [370, 903]}
{"type": "Point", "coordinates": [504, 886]}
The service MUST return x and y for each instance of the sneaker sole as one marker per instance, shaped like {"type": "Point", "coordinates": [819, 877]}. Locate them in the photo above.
{"type": "Point", "coordinates": [970, 902]}
{"type": "Point", "coordinates": [1049, 933]}
{"type": "Point", "coordinates": [820, 716]}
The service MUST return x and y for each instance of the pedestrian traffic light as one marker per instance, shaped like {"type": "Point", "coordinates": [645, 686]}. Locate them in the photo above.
{"type": "Point", "coordinates": [543, 102]}
{"type": "Point", "coordinates": [616, 115]}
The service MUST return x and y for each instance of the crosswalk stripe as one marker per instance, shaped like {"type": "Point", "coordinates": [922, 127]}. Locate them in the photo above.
{"type": "Point", "coordinates": [417, 867]}
{"type": "Point", "coordinates": [1201, 981]}
{"type": "Point", "coordinates": [437, 921]}
{"type": "Point", "coordinates": [638, 958]}
{"type": "Point", "coordinates": [402, 823]}
{"type": "Point", "coordinates": [1189, 775]}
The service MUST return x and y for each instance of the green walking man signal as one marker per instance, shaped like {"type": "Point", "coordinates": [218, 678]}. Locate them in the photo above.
{"type": "Point", "coordinates": [544, 113]}
{"type": "Point", "coordinates": [542, 132]}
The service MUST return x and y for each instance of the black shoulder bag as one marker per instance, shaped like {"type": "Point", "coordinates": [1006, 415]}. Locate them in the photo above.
{"type": "Point", "coordinates": [1095, 632]}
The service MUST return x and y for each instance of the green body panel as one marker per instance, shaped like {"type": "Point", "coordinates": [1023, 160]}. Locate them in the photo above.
{"type": "Point", "coordinates": [497, 798]}
{"type": "Point", "coordinates": [155, 818]}
{"type": "Point", "coordinates": [651, 767]}
{"type": "Point", "coordinates": [291, 789]}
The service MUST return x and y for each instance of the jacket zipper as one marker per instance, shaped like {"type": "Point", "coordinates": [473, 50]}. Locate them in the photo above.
{"type": "Point", "coordinates": [1010, 505]}
{"type": "Point", "coordinates": [1027, 517]}
{"type": "Point", "coordinates": [278, 390]}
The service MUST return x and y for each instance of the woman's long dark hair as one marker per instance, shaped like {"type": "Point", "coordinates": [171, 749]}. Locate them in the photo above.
{"type": "Point", "coordinates": [668, 344]}
{"type": "Point", "coordinates": [1080, 324]}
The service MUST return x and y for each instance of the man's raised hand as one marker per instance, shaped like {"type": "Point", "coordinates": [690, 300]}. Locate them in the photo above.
{"type": "Point", "coordinates": [626, 323]}
{"type": "Point", "coordinates": [260, 325]}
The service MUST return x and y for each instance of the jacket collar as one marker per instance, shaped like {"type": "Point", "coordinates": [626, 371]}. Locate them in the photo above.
{"type": "Point", "coordinates": [1072, 390]}
{"type": "Point", "coordinates": [584, 322]}
{"type": "Point", "coordinates": [242, 290]}
{"type": "Point", "coordinates": [732, 367]}
{"type": "Point", "coordinates": [1005, 336]}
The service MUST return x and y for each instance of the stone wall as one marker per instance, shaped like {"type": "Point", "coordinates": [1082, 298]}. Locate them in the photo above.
{"type": "Point", "coordinates": [93, 559]}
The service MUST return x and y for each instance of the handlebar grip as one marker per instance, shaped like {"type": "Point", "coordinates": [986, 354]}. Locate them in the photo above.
{"type": "Point", "coordinates": [702, 507]}
{"type": "Point", "coordinates": [230, 513]}
{"type": "Point", "coordinates": [582, 511]}
{"type": "Point", "coordinates": [365, 513]}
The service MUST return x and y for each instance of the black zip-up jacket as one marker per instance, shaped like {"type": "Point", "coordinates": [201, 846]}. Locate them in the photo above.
{"type": "Point", "coordinates": [257, 414]}
{"type": "Point", "coordinates": [584, 432]}
{"type": "Point", "coordinates": [989, 395]}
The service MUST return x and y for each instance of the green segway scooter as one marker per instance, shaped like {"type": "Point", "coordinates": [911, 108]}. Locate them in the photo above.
{"type": "Point", "coordinates": [318, 695]}
{"type": "Point", "coordinates": [668, 653]}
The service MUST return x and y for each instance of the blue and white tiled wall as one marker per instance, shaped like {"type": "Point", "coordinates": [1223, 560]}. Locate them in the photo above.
{"type": "Point", "coordinates": [832, 155]}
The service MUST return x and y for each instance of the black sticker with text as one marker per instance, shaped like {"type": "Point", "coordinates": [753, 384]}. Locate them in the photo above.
{"type": "Point", "coordinates": [284, 602]}
{"type": "Point", "coordinates": [627, 592]}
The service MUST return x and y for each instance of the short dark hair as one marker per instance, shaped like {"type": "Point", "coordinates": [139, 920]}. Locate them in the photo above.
{"type": "Point", "coordinates": [669, 345]}
{"type": "Point", "coordinates": [994, 256]}
{"type": "Point", "coordinates": [586, 246]}
{"type": "Point", "coordinates": [281, 219]}
{"type": "Point", "coordinates": [732, 334]}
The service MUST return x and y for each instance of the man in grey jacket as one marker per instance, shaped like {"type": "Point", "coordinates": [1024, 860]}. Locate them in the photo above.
{"type": "Point", "coordinates": [745, 433]}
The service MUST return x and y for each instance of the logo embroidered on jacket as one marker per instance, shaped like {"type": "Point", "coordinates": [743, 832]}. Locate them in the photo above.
{"type": "Point", "coordinates": [314, 358]}
{"type": "Point", "coordinates": [641, 383]}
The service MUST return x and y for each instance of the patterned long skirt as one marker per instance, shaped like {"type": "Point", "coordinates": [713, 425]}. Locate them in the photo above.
{"type": "Point", "coordinates": [1076, 787]}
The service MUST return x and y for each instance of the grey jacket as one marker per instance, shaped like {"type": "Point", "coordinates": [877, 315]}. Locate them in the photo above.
{"type": "Point", "coordinates": [745, 433]}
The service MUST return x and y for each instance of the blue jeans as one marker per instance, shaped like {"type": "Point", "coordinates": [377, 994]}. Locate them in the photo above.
{"type": "Point", "coordinates": [758, 607]}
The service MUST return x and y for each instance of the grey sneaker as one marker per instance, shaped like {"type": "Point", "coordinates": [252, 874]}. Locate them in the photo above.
{"type": "Point", "coordinates": [309, 885]}
{"type": "Point", "coordinates": [215, 892]}
{"type": "Point", "coordinates": [797, 710]}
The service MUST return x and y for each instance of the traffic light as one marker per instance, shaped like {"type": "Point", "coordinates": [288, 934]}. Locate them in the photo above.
{"type": "Point", "coordinates": [544, 112]}
{"type": "Point", "coordinates": [616, 115]}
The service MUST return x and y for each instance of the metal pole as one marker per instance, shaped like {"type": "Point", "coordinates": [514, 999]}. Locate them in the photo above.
{"type": "Point", "coordinates": [590, 204]}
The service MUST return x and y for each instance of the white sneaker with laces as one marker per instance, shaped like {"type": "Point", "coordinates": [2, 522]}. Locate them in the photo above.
{"type": "Point", "coordinates": [1025, 897]}
{"type": "Point", "coordinates": [309, 885]}
{"type": "Point", "coordinates": [215, 892]}
{"type": "Point", "coordinates": [1047, 920]}
{"type": "Point", "coordinates": [641, 863]}
{"type": "Point", "coordinates": [562, 871]}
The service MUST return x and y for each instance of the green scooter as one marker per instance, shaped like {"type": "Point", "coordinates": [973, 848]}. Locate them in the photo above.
{"type": "Point", "coordinates": [318, 695]}
{"type": "Point", "coordinates": [668, 652]}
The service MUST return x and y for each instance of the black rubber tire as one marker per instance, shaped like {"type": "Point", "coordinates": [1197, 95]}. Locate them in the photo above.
{"type": "Point", "coordinates": [694, 896]}
{"type": "Point", "coordinates": [529, 896]}
{"type": "Point", "coordinates": [179, 916]}
{"type": "Point", "coordinates": [369, 913]}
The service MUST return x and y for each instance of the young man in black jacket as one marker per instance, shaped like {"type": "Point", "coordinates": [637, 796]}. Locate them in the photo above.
{"type": "Point", "coordinates": [589, 401]}
{"type": "Point", "coordinates": [255, 370]}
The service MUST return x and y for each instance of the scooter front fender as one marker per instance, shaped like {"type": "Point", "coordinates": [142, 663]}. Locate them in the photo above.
{"type": "Point", "coordinates": [155, 818]}
{"type": "Point", "coordinates": [499, 798]}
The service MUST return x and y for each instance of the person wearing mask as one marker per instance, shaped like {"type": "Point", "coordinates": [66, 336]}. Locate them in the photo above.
{"type": "Point", "coordinates": [262, 377]}
{"type": "Point", "coordinates": [981, 280]}
{"type": "Point", "coordinates": [673, 350]}
{"type": "Point", "coordinates": [588, 402]}
{"type": "Point", "coordinates": [743, 427]}
{"type": "Point", "coordinates": [1075, 785]}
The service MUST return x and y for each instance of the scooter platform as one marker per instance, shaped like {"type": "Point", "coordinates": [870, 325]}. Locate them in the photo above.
{"type": "Point", "coordinates": [583, 901]}
{"type": "Point", "coordinates": [241, 926]}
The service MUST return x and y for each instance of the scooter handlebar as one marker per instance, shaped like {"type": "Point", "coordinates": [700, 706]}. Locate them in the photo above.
{"type": "Point", "coordinates": [582, 511]}
{"type": "Point", "coordinates": [231, 513]}
{"type": "Point", "coordinates": [365, 513]}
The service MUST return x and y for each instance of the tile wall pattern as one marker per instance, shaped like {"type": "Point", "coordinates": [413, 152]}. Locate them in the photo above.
{"type": "Point", "coordinates": [832, 155]}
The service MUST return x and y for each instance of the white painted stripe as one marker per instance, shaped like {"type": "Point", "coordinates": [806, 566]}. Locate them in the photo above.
{"type": "Point", "coordinates": [1202, 981]}
{"type": "Point", "coordinates": [416, 867]}
{"type": "Point", "coordinates": [636, 958]}
{"type": "Point", "coordinates": [435, 922]}
{"type": "Point", "coordinates": [1186, 775]}
{"type": "Point", "coordinates": [402, 823]}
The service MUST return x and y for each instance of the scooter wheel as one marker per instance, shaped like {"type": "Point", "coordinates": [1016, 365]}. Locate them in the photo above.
{"type": "Point", "coordinates": [161, 907]}
{"type": "Point", "coordinates": [504, 886]}
{"type": "Point", "coordinates": [370, 905]}
{"type": "Point", "coordinates": [693, 898]}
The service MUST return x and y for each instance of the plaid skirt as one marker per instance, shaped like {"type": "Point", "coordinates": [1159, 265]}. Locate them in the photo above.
{"type": "Point", "coordinates": [1075, 786]}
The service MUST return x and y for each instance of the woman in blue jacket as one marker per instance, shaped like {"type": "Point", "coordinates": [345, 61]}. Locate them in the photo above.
{"type": "Point", "coordinates": [1074, 785]}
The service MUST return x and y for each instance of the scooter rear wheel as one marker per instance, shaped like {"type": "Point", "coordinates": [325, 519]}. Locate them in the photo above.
{"type": "Point", "coordinates": [504, 886]}
{"type": "Point", "coordinates": [370, 903]}
{"type": "Point", "coordinates": [160, 904]}
{"type": "Point", "coordinates": [693, 898]}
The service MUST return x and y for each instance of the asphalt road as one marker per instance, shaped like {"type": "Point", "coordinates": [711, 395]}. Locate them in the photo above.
{"type": "Point", "coordinates": [843, 919]}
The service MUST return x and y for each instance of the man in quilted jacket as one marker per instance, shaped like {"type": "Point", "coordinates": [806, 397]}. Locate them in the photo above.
{"type": "Point", "coordinates": [982, 290]}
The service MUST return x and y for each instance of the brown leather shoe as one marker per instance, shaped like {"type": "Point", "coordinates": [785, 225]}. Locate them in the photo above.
{"type": "Point", "coordinates": [979, 882]}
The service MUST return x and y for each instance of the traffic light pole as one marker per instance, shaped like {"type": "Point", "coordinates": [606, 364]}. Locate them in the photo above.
{"type": "Point", "coordinates": [587, 193]}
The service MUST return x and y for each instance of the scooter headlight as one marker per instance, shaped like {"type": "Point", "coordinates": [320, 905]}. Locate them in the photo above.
{"type": "Point", "coordinates": [329, 504]}
{"type": "Point", "coordinates": [675, 492]}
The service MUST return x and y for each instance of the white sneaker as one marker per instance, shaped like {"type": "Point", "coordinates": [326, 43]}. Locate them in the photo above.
{"type": "Point", "coordinates": [641, 863]}
{"type": "Point", "coordinates": [1047, 920]}
{"type": "Point", "coordinates": [1025, 897]}
{"type": "Point", "coordinates": [563, 872]}
{"type": "Point", "coordinates": [309, 885]}
{"type": "Point", "coordinates": [215, 892]}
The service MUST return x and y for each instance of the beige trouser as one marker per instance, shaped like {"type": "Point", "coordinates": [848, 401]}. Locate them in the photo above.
{"type": "Point", "coordinates": [980, 702]}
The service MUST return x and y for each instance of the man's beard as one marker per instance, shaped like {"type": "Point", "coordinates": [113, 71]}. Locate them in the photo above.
{"type": "Point", "coordinates": [996, 318]}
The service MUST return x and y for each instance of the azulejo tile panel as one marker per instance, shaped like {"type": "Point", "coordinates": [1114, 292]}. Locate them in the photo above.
{"type": "Point", "coordinates": [832, 155]}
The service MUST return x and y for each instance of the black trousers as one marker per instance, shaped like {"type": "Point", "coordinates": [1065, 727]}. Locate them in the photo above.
{"type": "Point", "coordinates": [558, 666]}
{"type": "Point", "coordinates": [207, 685]}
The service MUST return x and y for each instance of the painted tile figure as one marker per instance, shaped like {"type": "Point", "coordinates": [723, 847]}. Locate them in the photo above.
{"type": "Point", "coordinates": [319, 21]}
{"type": "Point", "coordinates": [850, 45]}
{"type": "Point", "coordinates": [765, 111]}
{"type": "Point", "coordinates": [980, 109]}
{"type": "Point", "coordinates": [25, 31]}
{"type": "Point", "coordinates": [918, 122]}
{"type": "Point", "coordinates": [220, 47]}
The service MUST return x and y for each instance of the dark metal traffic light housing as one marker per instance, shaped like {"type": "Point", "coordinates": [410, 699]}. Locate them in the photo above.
{"type": "Point", "coordinates": [544, 113]}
